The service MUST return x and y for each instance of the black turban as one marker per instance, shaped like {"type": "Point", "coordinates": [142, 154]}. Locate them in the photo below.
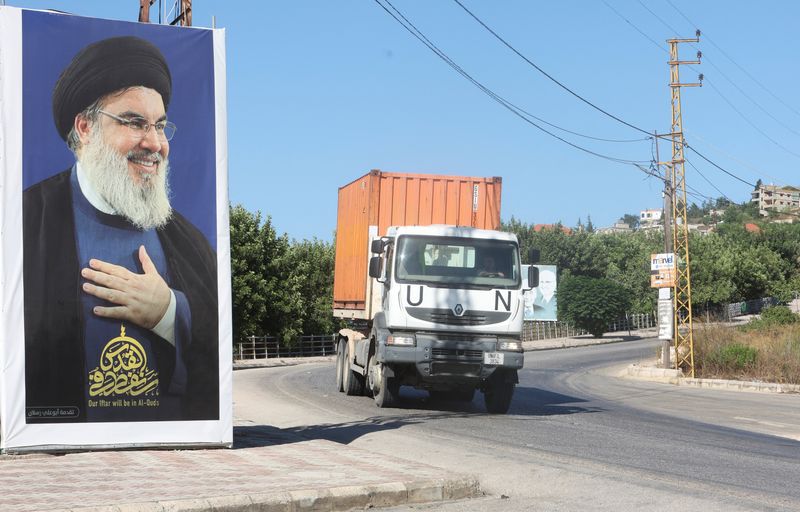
{"type": "Point", "coordinates": [104, 67]}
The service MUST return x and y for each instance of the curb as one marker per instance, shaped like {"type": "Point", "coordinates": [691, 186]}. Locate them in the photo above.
{"type": "Point", "coordinates": [333, 499]}
{"type": "Point", "coordinates": [246, 364]}
{"type": "Point", "coordinates": [671, 376]}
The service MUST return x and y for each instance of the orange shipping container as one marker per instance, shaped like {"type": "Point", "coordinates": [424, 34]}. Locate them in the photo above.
{"type": "Point", "coordinates": [377, 200]}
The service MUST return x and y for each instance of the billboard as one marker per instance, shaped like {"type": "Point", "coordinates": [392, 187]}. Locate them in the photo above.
{"type": "Point", "coordinates": [115, 260]}
{"type": "Point", "coordinates": [541, 302]}
{"type": "Point", "coordinates": [662, 270]}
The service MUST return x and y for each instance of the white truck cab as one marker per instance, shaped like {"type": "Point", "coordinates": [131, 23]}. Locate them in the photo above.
{"type": "Point", "coordinates": [448, 317]}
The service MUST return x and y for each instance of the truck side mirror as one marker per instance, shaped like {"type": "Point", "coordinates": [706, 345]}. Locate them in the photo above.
{"type": "Point", "coordinates": [533, 277]}
{"type": "Point", "coordinates": [375, 266]}
{"type": "Point", "coordinates": [377, 246]}
{"type": "Point", "coordinates": [533, 256]}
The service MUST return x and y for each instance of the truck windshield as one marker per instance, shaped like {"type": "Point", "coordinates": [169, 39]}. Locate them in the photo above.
{"type": "Point", "coordinates": [457, 261]}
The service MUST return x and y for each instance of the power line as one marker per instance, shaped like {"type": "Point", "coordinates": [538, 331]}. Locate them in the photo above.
{"type": "Point", "coordinates": [734, 84]}
{"type": "Point", "coordinates": [413, 30]}
{"type": "Point", "coordinates": [576, 133]}
{"type": "Point", "coordinates": [626, 20]}
{"type": "Point", "coordinates": [720, 168]}
{"type": "Point", "coordinates": [540, 70]}
{"type": "Point", "coordinates": [655, 174]}
{"type": "Point", "coordinates": [722, 194]}
{"type": "Point", "coordinates": [759, 130]}
{"type": "Point", "coordinates": [745, 163]}
{"type": "Point", "coordinates": [754, 79]}
{"type": "Point", "coordinates": [742, 92]}
{"type": "Point", "coordinates": [709, 82]}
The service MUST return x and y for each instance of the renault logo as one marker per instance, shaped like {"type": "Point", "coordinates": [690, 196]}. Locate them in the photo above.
{"type": "Point", "coordinates": [458, 310]}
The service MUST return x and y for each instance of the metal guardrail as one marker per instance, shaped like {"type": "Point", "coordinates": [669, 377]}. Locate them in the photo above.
{"type": "Point", "coordinates": [539, 330]}
{"type": "Point", "coordinates": [265, 347]}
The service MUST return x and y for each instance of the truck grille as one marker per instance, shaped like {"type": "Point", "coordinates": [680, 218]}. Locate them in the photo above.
{"type": "Point", "coordinates": [455, 354]}
{"type": "Point", "coordinates": [447, 317]}
{"type": "Point", "coordinates": [468, 370]}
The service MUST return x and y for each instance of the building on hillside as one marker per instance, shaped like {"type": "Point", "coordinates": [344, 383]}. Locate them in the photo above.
{"type": "Point", "coordinates": [618, 227]}
{"type": "Point", "coordinates": [650, 217]}
{"type": "Point", "coordinates": [776, 198]}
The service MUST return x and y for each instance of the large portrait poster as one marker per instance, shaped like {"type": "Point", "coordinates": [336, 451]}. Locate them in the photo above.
{"type": "Point", "coordinates": [541, 302]}
{"type": "Point", "coordinates": [116, 323]}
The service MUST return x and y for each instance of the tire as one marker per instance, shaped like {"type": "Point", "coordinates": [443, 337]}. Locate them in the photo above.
{"type": "Point", "coordinates": [389, 392]}
{"type": "Point", "coordinates": [498, 393]}
{"type": "Point", "coordinates": [340, 366]}
{"type": "Point", "coordinates": [352, 382]}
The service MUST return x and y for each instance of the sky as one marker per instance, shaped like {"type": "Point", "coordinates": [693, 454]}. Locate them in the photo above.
{"type": "Point", "coordinates": [321, 92]}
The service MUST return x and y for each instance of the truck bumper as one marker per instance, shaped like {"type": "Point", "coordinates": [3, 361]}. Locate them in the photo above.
{"type": "Point", "coordinates": [449, 357]}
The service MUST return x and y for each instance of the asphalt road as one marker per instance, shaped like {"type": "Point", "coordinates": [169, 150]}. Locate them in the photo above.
{"type": "Point", "coordinates": [577, 437]}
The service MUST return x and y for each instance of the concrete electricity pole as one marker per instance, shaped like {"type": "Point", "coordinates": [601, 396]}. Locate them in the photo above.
{"type": "Point", "coordinates": [682, 291]}
{"type": "Point", "coordinates": [667, 241]}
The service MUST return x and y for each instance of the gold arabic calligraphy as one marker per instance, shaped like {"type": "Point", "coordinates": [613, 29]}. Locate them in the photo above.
{"type": "Point", "coordinates": [123, 370]}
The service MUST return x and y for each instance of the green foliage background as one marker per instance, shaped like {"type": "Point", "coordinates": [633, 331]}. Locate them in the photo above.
{"type": "Point", "coordinates": [728, 265]}
{"type": "Point", "coordinates": [280, 287]}
{"type": "Point", "coordinates": [284, 288]}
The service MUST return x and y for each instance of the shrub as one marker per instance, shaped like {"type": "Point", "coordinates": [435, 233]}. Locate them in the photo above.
{"type": "Point", "coordinates": [772, 317]}
{"type": "Point", "coordinates": [769, 355]}
{"type": "Point", "coordinates": [735, 357]}
{"type": "Point", "coordinates": [779, 315]}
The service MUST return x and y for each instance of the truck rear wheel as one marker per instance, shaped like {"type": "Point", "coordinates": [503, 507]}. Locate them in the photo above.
{"type": "Point", "coordinates": [340, 366]}
{"type": "Point", "coordinates": [498, 393]}
{"type": "Point", "coordinates": [352, 382]}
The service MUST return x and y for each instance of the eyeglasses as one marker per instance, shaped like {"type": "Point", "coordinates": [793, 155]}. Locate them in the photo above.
{"type": "Point", "coordinates": [140, 126]}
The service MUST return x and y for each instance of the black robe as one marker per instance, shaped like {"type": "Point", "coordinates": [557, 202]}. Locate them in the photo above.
{"type": "Point", "coordinates": [54, 349]}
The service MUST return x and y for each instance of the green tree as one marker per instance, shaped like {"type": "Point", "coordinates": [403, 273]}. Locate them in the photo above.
{"type": "Point", "coordinates": [631, 220]}
{"type": "Point", "coordinates": [311, 262]}
{"type": "Point", "coordinates": [695, 213]}
{"type": "Point", "coordinates": [248, 283]}
{"type": "Point", "coordinates": [590, 303]}
{"type": "Point", "coordinates": [713, 260]}
{"type": "Point", "coordinates": [282, 318]}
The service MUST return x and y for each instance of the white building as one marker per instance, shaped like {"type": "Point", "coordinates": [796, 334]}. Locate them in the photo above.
{"type": "Point", "coordinates": [647, 217]}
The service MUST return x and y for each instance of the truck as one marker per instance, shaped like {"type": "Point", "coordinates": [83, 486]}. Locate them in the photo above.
{"type": "Point", "coordinates": [431, 290]}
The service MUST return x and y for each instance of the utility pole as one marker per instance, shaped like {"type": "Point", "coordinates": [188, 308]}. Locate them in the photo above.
{"type": "Point", "coordinates": [184, 18]}
{"type": "Point", "coordinates": [682, 291]}
{"type": "Point", "coordinates": [665, 294]}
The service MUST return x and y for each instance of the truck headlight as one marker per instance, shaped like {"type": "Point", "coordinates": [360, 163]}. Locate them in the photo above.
{"type": "Point", "coordinates": [509, 345]}
{"type": "Point", "coordinates": [404, 341]}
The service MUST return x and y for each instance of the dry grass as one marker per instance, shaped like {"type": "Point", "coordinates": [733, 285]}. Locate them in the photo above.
{"type": "Point", "coordinates": [770, 354]}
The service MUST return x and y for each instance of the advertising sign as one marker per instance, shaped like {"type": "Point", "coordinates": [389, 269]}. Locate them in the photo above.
{"type": "Point", "coordinates": [115, 263]}
{"type": "Point", "coordinates": [666, 317]}
{"type": "Point", "coordinates": [662, 270]}
{"type": "Point", "coordinates": [541, 302]}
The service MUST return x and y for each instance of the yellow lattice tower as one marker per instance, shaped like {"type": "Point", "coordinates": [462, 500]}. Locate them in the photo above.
{"type": "Point", "coordinates": [684, 342]}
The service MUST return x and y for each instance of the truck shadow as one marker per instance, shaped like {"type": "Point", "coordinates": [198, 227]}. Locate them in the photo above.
{"type": "Point", "coordinates": [526, 402]}
{"type": "Point", "coordinates": [252, 436]}
{"type": "Point", "coordinates": [415, 407]}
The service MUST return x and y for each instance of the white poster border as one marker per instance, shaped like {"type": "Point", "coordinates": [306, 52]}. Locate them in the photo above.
{"type": "Point", "coordinates": [16, 435]}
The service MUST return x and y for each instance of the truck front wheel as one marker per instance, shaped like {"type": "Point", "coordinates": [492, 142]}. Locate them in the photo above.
{"type": "Point", "coordinates": [388, 388]}
{"type": "Point", "coordinates": [498, 393]}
